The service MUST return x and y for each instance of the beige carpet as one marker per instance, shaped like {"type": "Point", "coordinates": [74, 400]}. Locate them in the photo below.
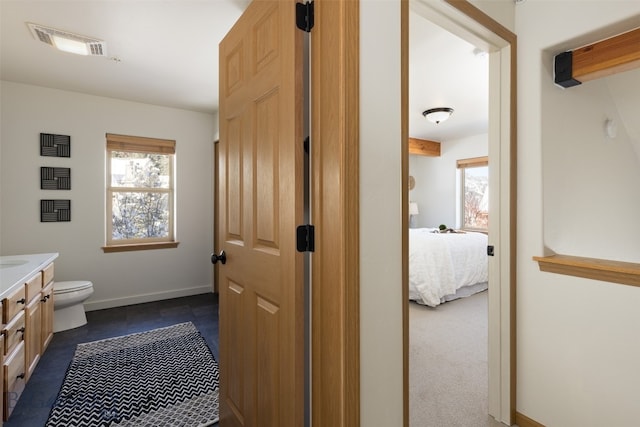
{"type": "Point", "coordinates": [448, 364]}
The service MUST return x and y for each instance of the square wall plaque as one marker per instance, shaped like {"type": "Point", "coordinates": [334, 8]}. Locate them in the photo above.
{"type": "Point", "coordinates": [55, 210]}
{"type": "Point", "coordinates": [55, 145]}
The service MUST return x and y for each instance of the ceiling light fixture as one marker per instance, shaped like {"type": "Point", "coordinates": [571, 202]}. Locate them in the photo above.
{"type": "Point", "coordinates": [68, 42]}
{"type": "Point", "coordinates": [437, 115]}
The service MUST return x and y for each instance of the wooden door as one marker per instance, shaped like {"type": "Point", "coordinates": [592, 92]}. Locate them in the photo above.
{"type": "Point", "coordinates": [260, 199]}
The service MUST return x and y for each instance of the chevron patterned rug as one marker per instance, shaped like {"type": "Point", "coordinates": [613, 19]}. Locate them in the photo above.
{"type": "Point", "coordinates": [163, 377]}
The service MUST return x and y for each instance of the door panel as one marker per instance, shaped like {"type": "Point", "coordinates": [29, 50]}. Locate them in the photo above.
{"type": "Point", "coordinates": [234, 346]}
{"type": "Point", "coordinates": [268, 374]}
{"type": "Point", "coordinates": [266, 177]}
{"type": "Point", "coordinates": [234, 188]}
{"type": "Point", "coordinates": [260, 178]}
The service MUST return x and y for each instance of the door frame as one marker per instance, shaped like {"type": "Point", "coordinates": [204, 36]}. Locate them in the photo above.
{"type": "Point", "coordinates": [462, 18]}
{"type": "Point", "coordinates": [335, 173]}
{"type": "Point", "coordinates": [216, 238]}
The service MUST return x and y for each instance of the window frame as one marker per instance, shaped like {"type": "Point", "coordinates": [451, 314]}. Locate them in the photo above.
{"type": "Point", "coordinates": [144, 145]}
{"type": "Point", "coordinates": [461, 165]}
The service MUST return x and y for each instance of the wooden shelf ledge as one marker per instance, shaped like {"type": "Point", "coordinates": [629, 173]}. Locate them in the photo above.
{"type": "Point", "coordinates": [626, 273]}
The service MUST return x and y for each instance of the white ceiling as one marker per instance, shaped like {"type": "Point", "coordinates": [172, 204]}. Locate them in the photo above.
{"type": "Point", "coordinates": [444, 71]}
{"type": "Point", "coordinates": [166, 53]}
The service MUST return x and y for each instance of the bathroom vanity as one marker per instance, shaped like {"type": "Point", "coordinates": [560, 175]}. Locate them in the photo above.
{"type": "Point", "coordinates": [26, 292]}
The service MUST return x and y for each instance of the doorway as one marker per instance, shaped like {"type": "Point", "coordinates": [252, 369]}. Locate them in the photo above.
{"type": "Point", "coordinates": [448, 280]}
{"type": "Point", "coordinates": [469, 23]}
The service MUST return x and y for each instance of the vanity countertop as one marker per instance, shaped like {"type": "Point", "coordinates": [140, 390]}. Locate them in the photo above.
{"type": "Point", "coordinates": [16, 269]}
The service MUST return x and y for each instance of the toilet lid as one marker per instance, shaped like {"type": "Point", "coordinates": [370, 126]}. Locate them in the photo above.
{"type": "Point", "coordinates": [72, 286]}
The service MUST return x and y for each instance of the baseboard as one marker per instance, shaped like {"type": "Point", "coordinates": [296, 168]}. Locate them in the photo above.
{"type": "Point", "coordinates": [138, 299]}
{"type": "Point", "coordinates": [524, 421]}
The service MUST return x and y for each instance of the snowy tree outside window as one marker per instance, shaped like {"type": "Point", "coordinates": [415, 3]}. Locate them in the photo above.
{"type": "Point", "coordinates": [139, 194]}
{"type": "Point", "coordinates": [476, 198]}
{"type": "Point", "coordinates": [474, 192]}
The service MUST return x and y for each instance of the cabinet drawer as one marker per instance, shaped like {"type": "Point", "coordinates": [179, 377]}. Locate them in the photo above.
{"type": "Point", "coordinates": [13, 304]}
{"type": "Point", "coordinates": [14, 382]}
{"type": "Point", "coordinates": [47, 274]}
{"type": "Point", "coordinates": [13, 333]}
{"type": "Point", "coordinates": [33, 286]}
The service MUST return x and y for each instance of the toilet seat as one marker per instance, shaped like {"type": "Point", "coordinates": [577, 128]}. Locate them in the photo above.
{"type": "Point", "coordinates": [71, 286]}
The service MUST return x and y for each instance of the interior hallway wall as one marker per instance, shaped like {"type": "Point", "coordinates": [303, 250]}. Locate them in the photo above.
{"type": "Point", "coordinates": [577, 338]}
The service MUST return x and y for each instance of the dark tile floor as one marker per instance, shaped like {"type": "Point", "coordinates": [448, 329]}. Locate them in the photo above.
{"type": "Point", "coordinates": [42, 389]}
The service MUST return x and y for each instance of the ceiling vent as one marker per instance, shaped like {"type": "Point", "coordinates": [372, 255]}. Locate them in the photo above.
{"type": "Point", "coordinates": [68, 42]}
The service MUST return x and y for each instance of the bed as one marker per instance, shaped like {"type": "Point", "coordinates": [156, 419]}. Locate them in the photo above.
{"type": "Point", "coordinates": [446, 266]}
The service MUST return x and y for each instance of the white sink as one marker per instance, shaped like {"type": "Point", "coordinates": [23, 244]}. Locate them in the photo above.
{"type": "Point", "coordinates": [12, 263]}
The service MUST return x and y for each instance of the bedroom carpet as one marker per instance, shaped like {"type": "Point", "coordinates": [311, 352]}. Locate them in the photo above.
{"type": "Point", "coordinates": [448, 377]}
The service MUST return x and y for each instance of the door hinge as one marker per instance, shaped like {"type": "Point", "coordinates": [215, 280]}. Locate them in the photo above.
{"type": "Point", "coordinates": [490, 250]}
{"type": "Point", "coordinates": [304, 16]}
{"type": "Point", "coordinates": [305, 238]}
{"type": "Point", "coordinates": [305, 145]}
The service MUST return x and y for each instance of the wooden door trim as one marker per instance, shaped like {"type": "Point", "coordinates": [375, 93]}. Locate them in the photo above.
{"type": "Point", "coordinates": [216, 237]}
{"type": "Point", "coordinates": [335, 296]}
{"type": "Point", "coordinates": [404, 119]}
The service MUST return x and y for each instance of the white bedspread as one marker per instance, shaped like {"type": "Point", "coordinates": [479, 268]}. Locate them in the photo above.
{"type": "Point", "coordinates": [442, 263]}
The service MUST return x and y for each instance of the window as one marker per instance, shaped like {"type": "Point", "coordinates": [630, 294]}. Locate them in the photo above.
{"type": "Point", "coordinates": [140, 193]}
{"type": "Point", "coordinates": [474, 193]}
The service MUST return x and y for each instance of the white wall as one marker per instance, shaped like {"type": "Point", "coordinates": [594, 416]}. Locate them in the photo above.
{"type": "Point", "coordinates": [118, 278]}
{"type": "Point", "coordinates": [500, 10]}
{"type": "Point", "coordinates": [578, 346]}
{"type": "Point", "coordinates": [435, 190]}
{"type": "Point", "coordinates": [586, 172]}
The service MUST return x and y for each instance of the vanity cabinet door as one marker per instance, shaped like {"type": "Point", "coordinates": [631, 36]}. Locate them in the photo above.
{"type": "Point", "coordinates": [14, 379]}
{"type": "Point", "coordinates": [47, 316]}
{"type": "Point", "coordinates": [33, 336]}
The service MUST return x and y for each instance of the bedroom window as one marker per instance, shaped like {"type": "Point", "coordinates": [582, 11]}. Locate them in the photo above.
{"type": "Point", "coordinates": [140, 193]}
{"type": "Point", "coordinates": [474, 193]}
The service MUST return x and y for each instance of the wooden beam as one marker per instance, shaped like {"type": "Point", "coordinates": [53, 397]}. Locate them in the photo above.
{"type": "Point", "coordinates": [424, 147]}
{"type": "Point", "coordinates": [601, 59]}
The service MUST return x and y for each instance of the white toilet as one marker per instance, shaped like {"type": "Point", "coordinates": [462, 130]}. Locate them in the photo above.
{"type": "Point", "coordinates": [68, 299]}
